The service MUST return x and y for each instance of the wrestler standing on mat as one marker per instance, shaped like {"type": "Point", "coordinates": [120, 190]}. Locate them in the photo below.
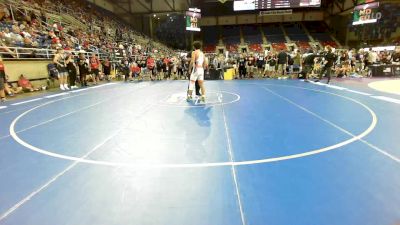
{"type": "Point", "coordinates": [197, 64]}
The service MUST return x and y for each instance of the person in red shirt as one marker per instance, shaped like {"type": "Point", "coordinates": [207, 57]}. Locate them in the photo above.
{"type": "Point", "coordinates": [135, 70]}
{"type": "Point", "coordinates": [151, 67]}
{"type": "Point", "coordinates": [167, 72]}
{"type": "Point", "coordinates": [26, 84]}
{"type": "Point", "coordinates": [2, 80]}
{"type": "Point", "coordinates": [94, 67]}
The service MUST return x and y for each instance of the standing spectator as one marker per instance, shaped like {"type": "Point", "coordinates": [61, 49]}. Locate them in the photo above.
{"type": "Point", "coordinates": [107, 68]}
{"type": "Point", "coordinates": [159, 65]}
{"type": "Point", "coordinates": [282, 62]}
{"type": "Point", "coordinates": [2, 80]}
{"type": "Point", "coordinates": [251, 65]}
{"type": "Point", "coordinates": [59, 60]}
{"type": "Point", "coordinates": [242, 62]}
{"type": "Point", "coordinates": [180, 68]}
{"type": "Point", "coordinates": [83, 69]}
{"type": "Point", "coordinates": [220, 66]}
{"type": "Point", "coordinates": [260, 65]}
{"type": "Point", "coordinates": [166, 70]}
{"type": "Point", "coordinates": [71, 66]}
{"type": "Point", "coordinates": [125, 68]}
{"type": "Point", "coordinates": [296, 62]}
{"type": "Point", "coordinates": [271, 65]}
{"type": "Point", "coordinates": [94, 68]}
{"type": "Point", "coordinates": [150, 62]}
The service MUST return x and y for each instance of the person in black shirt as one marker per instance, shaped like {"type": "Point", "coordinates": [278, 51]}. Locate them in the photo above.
{"type": "Point", "coordinates": [83, 69]}
{"type": "Point", "coordinates": [125, 68]}
{"type": "Point", "coordinates": [71, 70]}
{"type": "Point", "coordinates": [282, 62]}
{"type": "Point", "coordinates": [260, 65]}
{"type": "Point", "coordinates": [242, 67]}
{"type": "Point", "coordinates": [330, 58]}
{"type": "Point", "coordinates": [159, 66]}
{"type": "Point", "coordinates": [308, 63]}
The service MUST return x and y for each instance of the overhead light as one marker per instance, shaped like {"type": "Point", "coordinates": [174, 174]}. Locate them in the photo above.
{"type": "Point", "coordinates": [154, 15]}
{"type": "Point", "coordinates": [167, 14]}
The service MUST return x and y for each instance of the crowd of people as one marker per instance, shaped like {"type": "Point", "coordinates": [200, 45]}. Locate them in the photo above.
{"type": "Point", "coordinates": [304, 64]}
{"type": "Point", "coordinates": [34, 24]}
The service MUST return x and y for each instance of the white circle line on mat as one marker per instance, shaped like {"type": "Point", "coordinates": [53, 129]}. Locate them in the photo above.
{"type": "Point", "coordinates": [201, 165]}
{"type": "Point", "coordinates": [205, 104]}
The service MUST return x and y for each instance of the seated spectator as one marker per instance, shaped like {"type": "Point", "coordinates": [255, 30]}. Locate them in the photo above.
{"type": "Point", "coordinates": [25, 84]}
{"type": "Point", "coordinates": [10, 89]}
{"type": "Point", "coordinates": [344, 69]}
{"type": "Point", "coordinates": [135, 70]}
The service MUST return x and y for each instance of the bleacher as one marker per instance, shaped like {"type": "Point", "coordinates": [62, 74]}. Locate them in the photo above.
{"type": "Point", "coordinates": [279, 46]}
{"type": "Point", "coordinates": [320, 33]}
{"type": "Point", "coordinates": [210, 38]}
{"type": "Point", "coordinates": [296, 33]}
{"type": "Point", "coordinates": [231, 35]}
{"type": "Point", "coordinates": [303, 45]}
{"type": "Point", "coordinates": [252, 34]}
{"type": "Point", "coordinates": [255, 48]}
{"type": "Point", "coordinates": [273, 33]}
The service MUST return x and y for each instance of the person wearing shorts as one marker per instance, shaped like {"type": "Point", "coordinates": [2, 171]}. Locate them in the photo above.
{"type": "Point", "coordinates": [60, 61]}
{"type": "Point", "coordinates": [271, 65]}
{"type": "Point", "coordinates": [94, 67]}
{"type": "Point", "coordinates": [198, 63]}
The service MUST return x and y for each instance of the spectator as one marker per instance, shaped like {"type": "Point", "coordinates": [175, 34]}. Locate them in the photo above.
{"type": "Point", "coordinates": [2, 80]}
{"type": "Point", "coordinates": [71, 67]}
{"type": "Point", "coordinates": [135, 71]}
{"type": "Point", "coordinates": [151, 66]}
{"type": "Point", "coordinates": [94, 68]}
{"type": "Point", "coordinates": [10, 89]}
{"type": "Point", "coordinates": [60, 61]}
{"type": "Point", "coordinates": [83, 69]}
{"type": "Point", "coordinates": [107, 68]}
{"type": "Point", "coordinates": [26, 85]}
{"type": "Point", "coordinates": [296, 62]}
{"type": "Point", "coordinates": [282, 63]}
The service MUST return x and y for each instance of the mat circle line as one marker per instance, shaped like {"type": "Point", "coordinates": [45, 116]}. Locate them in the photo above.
{"type": "Point", "coordinates": [202, 165]}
